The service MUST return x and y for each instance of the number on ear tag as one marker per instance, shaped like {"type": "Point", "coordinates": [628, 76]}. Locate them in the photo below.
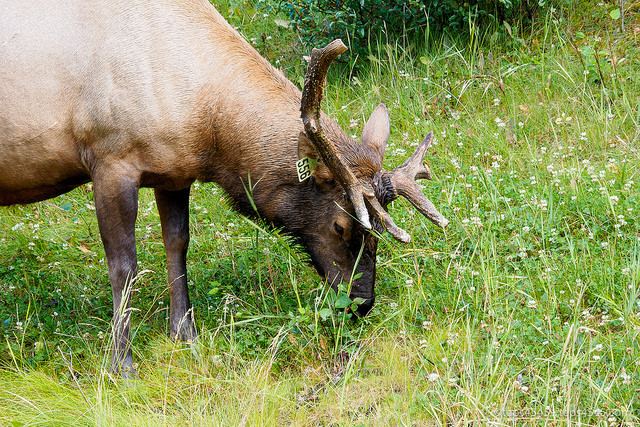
{"type": "Point", "coordinates": [305, 166]}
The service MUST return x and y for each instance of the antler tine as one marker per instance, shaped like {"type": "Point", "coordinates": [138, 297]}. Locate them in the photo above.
{"type": "Point", "coordinates": [403, 180]}
{"type": "Point", "coordinates": [310, 108]}
{"type": "Point", "coordinates": [384, 217]}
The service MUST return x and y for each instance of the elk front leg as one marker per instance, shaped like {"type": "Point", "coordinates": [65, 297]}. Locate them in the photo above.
{"type": "Point", "coordinates": [173, 207]}
{"type": "Point", "coordinates": [116, 199]}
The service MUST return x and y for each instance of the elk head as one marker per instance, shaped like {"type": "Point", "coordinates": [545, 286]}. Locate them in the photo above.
{"type": "Point", "coordinates": [358, 189]}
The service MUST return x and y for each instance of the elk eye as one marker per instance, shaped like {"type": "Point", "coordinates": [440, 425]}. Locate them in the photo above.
{"type": "Point", "coordinates": [338, 228]}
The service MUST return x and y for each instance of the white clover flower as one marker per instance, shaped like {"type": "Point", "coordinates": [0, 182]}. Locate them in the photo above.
{"type": "Point", "coordinates": [626, 379]}
{"type": "Point", "coordinates": [451, 338]}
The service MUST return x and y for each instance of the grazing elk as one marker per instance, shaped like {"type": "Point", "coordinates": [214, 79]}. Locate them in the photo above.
{"type": "Point", "coordinates": [129, 94]}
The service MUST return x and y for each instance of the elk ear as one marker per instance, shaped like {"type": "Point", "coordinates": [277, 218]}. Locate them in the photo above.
{"type": "Point", "coordinates": [376, 131]}
{"type": "Point", "coordinates": [321, 174]}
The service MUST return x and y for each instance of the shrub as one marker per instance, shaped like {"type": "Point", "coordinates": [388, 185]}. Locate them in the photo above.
{"type": "Point", "coordinates": [358, 21]}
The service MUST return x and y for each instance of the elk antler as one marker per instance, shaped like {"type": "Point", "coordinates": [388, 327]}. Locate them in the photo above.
{"type": "Point", "coordinates": [358, 192]}
{"type": "Point", "coordinates": [403, 182]}
{"type": "Point", "coordinates": [310, 108]}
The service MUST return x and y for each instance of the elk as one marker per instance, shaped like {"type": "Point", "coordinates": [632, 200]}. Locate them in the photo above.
{"type": "Point", "coordinates": [130, 95]}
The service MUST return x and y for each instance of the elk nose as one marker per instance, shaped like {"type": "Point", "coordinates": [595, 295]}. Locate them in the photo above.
{"type": "Point", "coordinates": [364, 308]}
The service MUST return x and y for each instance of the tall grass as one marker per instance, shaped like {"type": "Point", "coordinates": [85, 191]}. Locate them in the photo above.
{"type": "Point", "coordinates": [524, 310]}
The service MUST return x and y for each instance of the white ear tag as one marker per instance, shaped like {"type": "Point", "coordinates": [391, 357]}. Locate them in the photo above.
{"type": "Point", "coordinates": [304, 167]}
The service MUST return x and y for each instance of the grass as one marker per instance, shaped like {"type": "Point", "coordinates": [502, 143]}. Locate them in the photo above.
{"type": "Point", "coordinates": [525, 311]}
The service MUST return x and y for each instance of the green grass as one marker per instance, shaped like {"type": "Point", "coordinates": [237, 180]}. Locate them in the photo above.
{"type": "Point", "coordinates": [524, 311]}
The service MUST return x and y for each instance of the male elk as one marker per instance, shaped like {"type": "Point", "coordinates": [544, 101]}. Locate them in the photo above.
{"type": "Point", "coordinates": [129, 94]}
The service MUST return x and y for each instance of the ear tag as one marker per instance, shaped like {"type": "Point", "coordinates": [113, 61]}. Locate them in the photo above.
{"type": "Point", "coordinates": [304, 167]}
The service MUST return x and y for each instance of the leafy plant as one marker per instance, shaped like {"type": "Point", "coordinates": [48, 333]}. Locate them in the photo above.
{"type": "Point", "coordinates": [359, 21]}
